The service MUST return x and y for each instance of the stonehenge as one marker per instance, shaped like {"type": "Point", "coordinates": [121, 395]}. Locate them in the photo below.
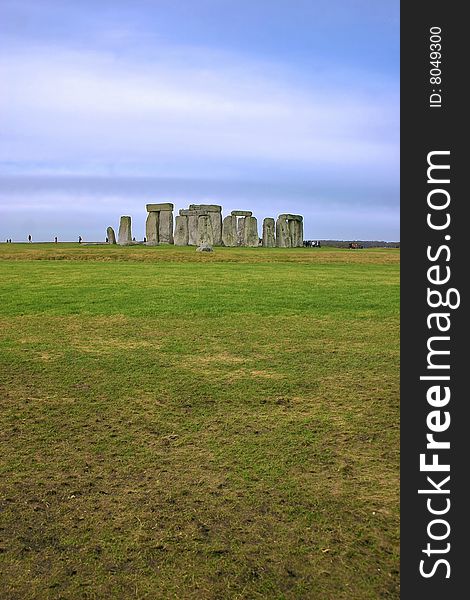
{"type": "Point", "coordinates": [159, 224]}
{"type": "Point", "coordinates": [289, 231]}
{"type": "Point", "coordinates": [240, 228]}
{"type": "Point", "coordinates": [202, 225]}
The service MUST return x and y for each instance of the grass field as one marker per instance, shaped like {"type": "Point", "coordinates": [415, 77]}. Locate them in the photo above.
{"type": "Point", "coordinates": [180, 425]}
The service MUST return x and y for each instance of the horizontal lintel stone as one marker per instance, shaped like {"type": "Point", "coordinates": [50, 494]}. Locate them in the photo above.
{"type": "Point", "coordinates": [241, 213]}
{"type": "Point", "coordinates": [159, 207]}
{"type": "Point", "coordinates": [187, 212]}
{"type": "Point", "coordinates": [206, 207]}
{"type": "Point", "coordinates": [290, 217]}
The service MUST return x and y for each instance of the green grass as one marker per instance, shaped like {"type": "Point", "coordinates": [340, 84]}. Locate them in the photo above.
{"type": "Point", "coordinates": [190, 426]}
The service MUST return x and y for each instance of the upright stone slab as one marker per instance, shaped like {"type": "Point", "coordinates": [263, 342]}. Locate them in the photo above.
{"type": "Point", "coordinates": [269, 239]}
{"type": "Point", "coordinates": [251, 232]}
{"type": "Point", "coordinates": [292, 233]}
{"type": "Point", "coordinates": [241, 231]}
{"type": "Point", "coordinates": [216, 221]}
{"type": "Point", "coordinates": [192, 228]}
{"type": "Point", "coordinates": [282, 233]}
{"type": "Point", "coordinates": [204, 231]}
{"type": "Point", "coordinates": [297, 233]}
{"type": "Point", "coordinates": [300, 234]}
{"type": "Point", "coordinates": [165, 227]}
{"type": "Point", "coordinates": [229, 231]}
{"type": "Point", "coordinates": [151, 228]}
{"type": "Point", "coordinates": [181, 236]}
{"type": "Point", "coordinates": [111, 235]}
{"type": "Point", "coordinates": [125, 233]}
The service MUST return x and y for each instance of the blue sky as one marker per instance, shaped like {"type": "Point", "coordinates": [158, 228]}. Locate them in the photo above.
{"type": "Point", "coordinates": [272, 106]}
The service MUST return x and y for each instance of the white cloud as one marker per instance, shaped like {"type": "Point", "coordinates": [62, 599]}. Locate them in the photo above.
{"type": "Point", "coordinates": [68, 107]}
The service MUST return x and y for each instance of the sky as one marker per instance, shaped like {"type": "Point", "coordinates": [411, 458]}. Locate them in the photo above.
{"type": "Point", "coordinates": [272, 106]}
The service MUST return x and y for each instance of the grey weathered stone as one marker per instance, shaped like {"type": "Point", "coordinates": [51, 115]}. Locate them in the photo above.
{"type": "Point", "coordinates": [205, 234]}
{"type": "Point", "coordinates": [192, 229]}
{"type": "Point", "coordinates": [125, 234]}
{"type": "Point", "coordinates": [165, 227]}
{"type": "Point", "coordinates": [204, 248]}
{"type": "Point", "coordinates": [151, 228]}
{"type": "Point", "coordinates": [300, 234]}
{"type": "Point", "coordinates": [241, 231]}
{"type": "Point", "coordinates": [290, 217]}
{"type": "Point", "coordinates": [292, 232]}
{"type": "Point", "coordinates": [181, 236]}
{"type": "Point", "coordinates": [111, 235]}
{"type": "Point", "coordinates": [241, 213]}
{"type": "Point", "coordinates": [282, 233]}
{"type": "Point", "coordinates": [297, 233]}
{"type": "Point", "coordinates": [251, 232]}
{"type": "Point", "coordinates": [159, 207]}
{"type": "Point", "coordinates": [206, 207]}
{"type": "Point", "coordinates": [269, 238]}
{"type": "Point", "coordinates": [216, 221]}
{"type": "Point", "coordinates": [229, 231]}
{"type": "Point", "coordinates": [191, 212]}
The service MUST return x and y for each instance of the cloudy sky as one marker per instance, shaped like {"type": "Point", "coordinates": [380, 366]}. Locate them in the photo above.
{"type": "Point", "coordinates": [268, 105]}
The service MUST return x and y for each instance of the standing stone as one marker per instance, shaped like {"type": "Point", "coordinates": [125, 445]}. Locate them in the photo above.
{"type": "Point", "coordinates": [229, 231]}
{"type": "Point", "coordinates": [111, 235]}
{"type": "Point", "coordinates": [192, 228]}
{"type": "Point", "coordinates": [269, 240]}
{"type": "Point", "coordinates": [282, 233]}
{"type": "Point", "coordinates": [181, 236]}
{"type": "Point", "coordinates": [251, 232]}
{"type": "Point", "coordinates": [165, 227]}
{"type": "Point", "coordinates": [292, 233]}
{"type": "Point", "coordinates": [151, 228]}
{"type": "Point", "coordinates": [298, 233]}
{"type": "Point", "coordinates": [216, 221]}
{"type": "Point", "coordinates": [205, 234]}
{"type": "Point", "coordinates": [241, 231]}
{"type": "Point", "coordinates": [125, 234]}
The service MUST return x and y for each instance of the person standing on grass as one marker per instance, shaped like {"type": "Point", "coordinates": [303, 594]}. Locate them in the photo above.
{"type": "Point", "coordinates": [55, 240]}
{"type": "Point", "coordinates": [79, 239]}
{"type": "Point", "coordinates": [30, 239]}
